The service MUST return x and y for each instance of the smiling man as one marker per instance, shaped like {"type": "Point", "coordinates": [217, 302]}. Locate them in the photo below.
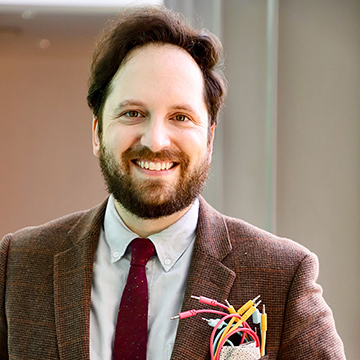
{"type": "Point", "coordinates": [102, 284]}
{"type": "Point", "coordinates": [154, 146]}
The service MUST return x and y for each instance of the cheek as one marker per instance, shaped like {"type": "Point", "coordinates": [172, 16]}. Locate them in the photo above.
{"type": "Point", "coordinates": [119, 140]}
{"type": "Point", "coordinates": [197, 149]}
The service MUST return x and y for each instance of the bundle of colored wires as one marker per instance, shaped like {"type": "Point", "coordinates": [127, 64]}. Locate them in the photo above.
{"type": "Point", "coordinates": [219, 338]}
{"type": "Point", "coordinates": [245, 330]}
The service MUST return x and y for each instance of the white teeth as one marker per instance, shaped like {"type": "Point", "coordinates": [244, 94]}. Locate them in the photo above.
{"type": "Point", "coordinates": [155, 166]}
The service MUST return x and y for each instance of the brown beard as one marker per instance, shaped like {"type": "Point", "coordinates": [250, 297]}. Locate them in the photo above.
{"type": "Point", "coordinates": [150, 199]}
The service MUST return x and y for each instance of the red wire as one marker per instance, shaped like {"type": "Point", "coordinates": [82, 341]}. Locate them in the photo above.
{"type": "Point", "coordinates": [245, 330]}
{"type": "Point", "coordinates": [205, 300]}
{"type": "Point", "coordinates": [216, 328]}
{"type": "Point", "coordinates": [194, 312]}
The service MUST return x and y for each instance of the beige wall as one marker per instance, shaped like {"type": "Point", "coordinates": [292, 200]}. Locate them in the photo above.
{"type": "Point", "coordinates": [46, 164]}
{"type": "Point", "coordinates": [318, 201]}
{"type": "Point", "coordinates": [244, 38]}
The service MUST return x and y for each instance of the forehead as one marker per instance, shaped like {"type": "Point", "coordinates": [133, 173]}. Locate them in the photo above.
{"type": "Point", "coordinates": [159, 70]}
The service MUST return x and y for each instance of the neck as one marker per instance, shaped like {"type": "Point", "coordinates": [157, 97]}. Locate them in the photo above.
{"type": "Point", "coordinates": [146, 227]}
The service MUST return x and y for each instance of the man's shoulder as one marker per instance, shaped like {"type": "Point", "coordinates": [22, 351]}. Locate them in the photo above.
{"type": "Point", "coordinates": [240, 230]}
{"type": "Point", "coordinates": [253, 241]}
{"type": "Point", "coordinates": [59, 228]}
{"type": "Point", "coordinates": [266, 245]}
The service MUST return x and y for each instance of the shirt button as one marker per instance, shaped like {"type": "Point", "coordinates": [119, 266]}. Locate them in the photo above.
{"type": "Point", "coordinates": [115, 254]}
{"type": "Point", "coordinates": [167, 261]}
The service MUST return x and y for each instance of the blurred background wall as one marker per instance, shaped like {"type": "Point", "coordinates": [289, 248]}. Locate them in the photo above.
{"type": "Point", "coordinates": [287, 154]}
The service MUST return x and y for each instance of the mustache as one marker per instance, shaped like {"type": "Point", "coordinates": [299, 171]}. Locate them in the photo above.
{"type": "Point", "coordinates": [167, 154]}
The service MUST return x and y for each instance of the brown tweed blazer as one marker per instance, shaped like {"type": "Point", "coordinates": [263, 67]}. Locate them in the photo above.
{"type": "Point", "coordinates": [46, 274]}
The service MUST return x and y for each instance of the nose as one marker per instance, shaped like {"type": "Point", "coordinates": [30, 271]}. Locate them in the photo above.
{"type": "Point", "coordinates": [156, 134]}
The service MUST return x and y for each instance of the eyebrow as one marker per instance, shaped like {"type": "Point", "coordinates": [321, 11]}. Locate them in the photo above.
{"type": "Point", "coordinates": [187, 108]}
{"type": "Point", "coordinates": [184, 107]}
{"type": "Point", "coordinates": [141, 103]}
{"type": "Point", "coordinates": [126, 103]}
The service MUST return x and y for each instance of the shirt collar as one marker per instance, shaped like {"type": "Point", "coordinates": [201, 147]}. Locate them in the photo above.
{"type": "Point", "coordinates": [170, 244]}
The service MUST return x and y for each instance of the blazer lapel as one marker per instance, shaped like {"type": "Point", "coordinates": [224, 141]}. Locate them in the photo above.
{"type": "Point", "coordinates": [207, 277]}
{"type": "Point", "coordinates": [72, 286]}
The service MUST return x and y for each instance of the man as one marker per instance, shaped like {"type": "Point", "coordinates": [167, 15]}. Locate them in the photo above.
{"type": "Point", "coordinates": [155, 91]}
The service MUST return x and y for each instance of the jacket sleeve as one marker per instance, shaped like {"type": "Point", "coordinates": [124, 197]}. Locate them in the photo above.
{"type": "Point", "coordinates": [4, 248]}
{"type": "Point", "coordinates": [309, 329]}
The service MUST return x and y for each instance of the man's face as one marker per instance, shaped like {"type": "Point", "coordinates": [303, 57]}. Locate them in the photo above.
{"type": "Point", "coordinates": [155, 148]}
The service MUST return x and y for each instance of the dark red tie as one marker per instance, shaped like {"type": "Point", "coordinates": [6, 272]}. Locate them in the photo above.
{"type": "Point", "coordinates": [132, 323]}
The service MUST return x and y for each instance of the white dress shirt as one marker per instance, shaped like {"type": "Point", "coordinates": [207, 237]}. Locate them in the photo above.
{"type": "Point", "coordinates": [166, 274]}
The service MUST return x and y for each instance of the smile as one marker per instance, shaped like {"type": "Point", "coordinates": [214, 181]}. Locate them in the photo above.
{"type": "Point", "coordinates": [155, 165]}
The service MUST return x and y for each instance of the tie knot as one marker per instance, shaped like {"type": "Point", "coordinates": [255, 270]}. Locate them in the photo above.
{"type": "Point", "coordinates": [141, 251]}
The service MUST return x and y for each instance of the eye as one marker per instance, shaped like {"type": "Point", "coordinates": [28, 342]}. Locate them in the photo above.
{"type": "Point", "coordinates": [132, 113]}
{"type": "Point", "coordinates": [181, 117]}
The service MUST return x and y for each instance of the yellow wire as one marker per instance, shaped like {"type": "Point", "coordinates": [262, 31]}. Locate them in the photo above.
{"type": "Point", "coordinates": [263, 331]}
{"type": "Point", "coordinates": [263, 340]}
{"type": "Point", "coordinates": [226, 331]}
{"type": "Point", "coordinates": [248, 309]}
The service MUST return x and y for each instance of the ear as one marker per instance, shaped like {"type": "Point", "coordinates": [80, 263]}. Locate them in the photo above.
{"type": "Point", "coordinates": [95, 137]}
{"type": "Point", "coordinates": [211, 138]}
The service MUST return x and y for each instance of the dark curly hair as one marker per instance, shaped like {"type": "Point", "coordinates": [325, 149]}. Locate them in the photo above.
{"type": "Point", "coordinates": [136, 27]}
